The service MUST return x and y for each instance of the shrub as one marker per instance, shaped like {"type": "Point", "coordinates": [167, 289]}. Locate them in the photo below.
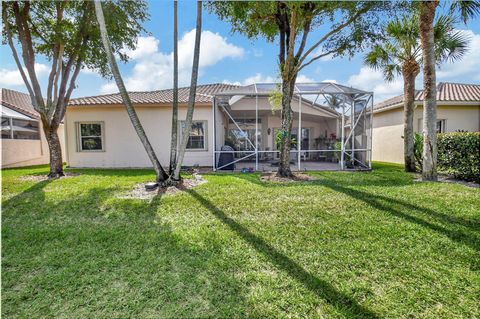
{"type": "Point", "coordinates": [459, 154]}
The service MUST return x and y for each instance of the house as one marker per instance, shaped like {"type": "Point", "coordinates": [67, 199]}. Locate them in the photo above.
{"type": "Point", "coordinates": [23, 140]}
{"type": "Point", "coordinates": [233, 127]}
{"type": "Point", "coordinates": [458, 108]}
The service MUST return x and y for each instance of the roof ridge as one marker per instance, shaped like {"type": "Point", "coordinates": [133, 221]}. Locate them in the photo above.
{"type": "Point", "coordinates": [153, 91]}
{"type": "Point", "coordinates": [458, 83]}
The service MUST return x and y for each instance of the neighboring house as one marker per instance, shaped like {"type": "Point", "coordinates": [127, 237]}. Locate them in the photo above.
{"type": "Point", "coordinates": [458, 108]}
{"type": "Point", "coordinates": [100, 134]}
{"type": "Point", "coordinates": [23, 140]}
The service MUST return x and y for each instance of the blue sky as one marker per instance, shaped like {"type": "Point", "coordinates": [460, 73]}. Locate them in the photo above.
{"type": "Point", "coordinates": [232, 58]}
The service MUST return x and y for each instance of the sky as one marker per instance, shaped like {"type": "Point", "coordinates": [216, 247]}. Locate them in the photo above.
{"type": "Point", "coordinates": [232, 58]}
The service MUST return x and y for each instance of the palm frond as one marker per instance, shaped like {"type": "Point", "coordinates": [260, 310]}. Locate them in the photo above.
{"type": "Point", "coordinates": [467, 9]}
{"type": "Point", "coordinates": [450, 44]}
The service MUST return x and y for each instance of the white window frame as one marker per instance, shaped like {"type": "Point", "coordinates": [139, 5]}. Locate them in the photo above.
{"type": "Point", "coordinates": [79, 135]}
{"type": "Point", "coordinates": [444, 125]}
{"type": "Point", "coordinates": [205, 136]}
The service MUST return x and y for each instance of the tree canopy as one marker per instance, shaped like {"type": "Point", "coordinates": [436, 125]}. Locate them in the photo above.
{"type": "Point", "coordinates": [73, 24]}
{"type": "Point", "coordinates": [353, 25]}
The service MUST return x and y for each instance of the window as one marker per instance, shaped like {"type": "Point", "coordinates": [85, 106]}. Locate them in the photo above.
{"type": "Point", "coordinates": [197, 138]}
{"type": "Point", "coordinates": [20, 129]}
{"type": "Point", "coordinates": [441, 126]}
{"type": "Point", "coordinates": [90, 136]}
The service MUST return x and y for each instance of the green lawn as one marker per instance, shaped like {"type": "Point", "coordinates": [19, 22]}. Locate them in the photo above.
{"type": "Point", "coordinates": [364, 244]}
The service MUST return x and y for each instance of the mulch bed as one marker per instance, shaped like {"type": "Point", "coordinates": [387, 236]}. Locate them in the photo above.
{"type": "Point", "coordinates": [297, 177]}
{"type": "Point", "coordinates": [40, 178]}
{"type": "Point", "coordinates": [139, 191]}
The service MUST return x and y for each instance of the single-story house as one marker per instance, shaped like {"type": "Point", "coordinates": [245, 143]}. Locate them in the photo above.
{"type": "Point", "coordinates": [23, 140]}
{"type": "Point", "coordinates": [226, 120]}
{"type": "Point", "coordinates": [458, 109]}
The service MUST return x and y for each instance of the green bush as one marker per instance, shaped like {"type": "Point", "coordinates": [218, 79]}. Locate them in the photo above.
{"type": "Point", "coordinates": [459, 155]}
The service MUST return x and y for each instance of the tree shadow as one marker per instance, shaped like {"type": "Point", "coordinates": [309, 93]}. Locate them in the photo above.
{"type": "Point", "coordinates": [399, 209]}
{"type": "Point", "coordinates": [342, 302]}
{"type": "Point", "coordinates": [334, 184]}
{"type": "Point", "coordinates": [94, 253]}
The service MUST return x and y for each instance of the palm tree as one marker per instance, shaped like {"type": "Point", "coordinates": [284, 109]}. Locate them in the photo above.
{"type": "Point", "coordinates": [192, 92]}
{"type": "Point", "coordinates": [333, 101]}
{"type": "Point", "coordinates": [174, 140]}
{"type": "Point", "coordinates": [467, 9]}
{"type": "Point", "coordinates": [401, 54]}
{"type": "Point", "coordinates": [160, 172]}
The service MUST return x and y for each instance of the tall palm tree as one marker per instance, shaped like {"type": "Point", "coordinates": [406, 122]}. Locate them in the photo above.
{"type": "Point", "coordinates": [192, 93]}
{"type": "Point", "coordinates": [467, 9]}
{"type": "Point", "coordinates": [174, 140]}
{"type": "Point", "coordinates": [400, 53]}
{"type": "Point", "coordinates": [160, 172]}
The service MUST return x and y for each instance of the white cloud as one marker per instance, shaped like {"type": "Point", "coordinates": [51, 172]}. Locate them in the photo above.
{"type": "Point", "coordinates": [330, 81]}
{"type": "Point", "coordinates": [153, 69]}
{"type": "Point", "coordinates": [301, 78]}
{"type": "Point", "coordinates": [259, 78]}
{"type": "Point", "coordinates": [466, 69]}
{"type": "Point", "coordinates": [13, 77]}
{"type": "Point", "coordinates": [371, 80]}
{"type": "Point", "coordinates": [145, 47]}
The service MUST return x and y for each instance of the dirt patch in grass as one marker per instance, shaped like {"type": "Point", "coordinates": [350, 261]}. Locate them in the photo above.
{"type": "Point", "coordinates": [297, 177]}
{"type": "Point", "coordinates": [39, 178]}
{"type": "Point", "coordinates": [140, 192]}
{"type": "Point", "coordinates": [449, 179]}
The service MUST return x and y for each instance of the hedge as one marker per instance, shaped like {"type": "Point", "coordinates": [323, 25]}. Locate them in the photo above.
{"type": "Point", "coordinates": [459, 155]}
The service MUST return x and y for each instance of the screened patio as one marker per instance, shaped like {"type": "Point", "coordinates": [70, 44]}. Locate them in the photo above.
{"type": "Point", "coordinates": [332, 126]}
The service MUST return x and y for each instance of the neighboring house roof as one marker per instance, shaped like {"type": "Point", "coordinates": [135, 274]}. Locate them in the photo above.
{"type": "Point", "coordinates": [446, 92]}
{"type": "Point", "coordinates": [19, 102]}
{"type": "Point", "coordinates": [204, 95]}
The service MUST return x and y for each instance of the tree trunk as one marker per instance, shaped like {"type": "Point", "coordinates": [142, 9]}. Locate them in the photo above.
{"type": "Point", "coordinates": [427, 15]}
{"type": "Point", "coordinates": [132, 114]}
{"type": "Point", "coordinates": [192, 93]}
{"type": "Point", "coordinates": [55, 150]}
{"type": "Point", "coordinates": [174, 141]}
{"type": "Point", "coordinates": [410, 71]}
{"type": "Point", "coordinates": [286, 129]}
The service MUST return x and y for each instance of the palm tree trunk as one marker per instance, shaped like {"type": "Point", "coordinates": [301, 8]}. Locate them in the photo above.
{"type": "Point", "coordinates": [427, 15]}
{"type": "Point", "coordinates": [132, 114]}
{"type": "Point", "coordinates": [192, 93]}
{"type": "Point", "coordinates": [174, 141]}
{"type": "Point", "coordinates": [410, 71]}
{"type": "Point", "coordinates": [286, 129]}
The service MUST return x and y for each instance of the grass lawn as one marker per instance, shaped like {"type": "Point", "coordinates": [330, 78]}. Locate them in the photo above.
{"type": "Point", "coordinates": [365, 244]}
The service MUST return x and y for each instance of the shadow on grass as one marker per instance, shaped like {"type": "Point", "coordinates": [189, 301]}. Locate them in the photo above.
{"type": "Point", "coordinates": [93, 253]}
{"type": "Point", "coordinates": [399, 208]}
{"type": "Point", "coordinates": [385, 203]}
{"type": "Point", "coordinates": [345, 304]}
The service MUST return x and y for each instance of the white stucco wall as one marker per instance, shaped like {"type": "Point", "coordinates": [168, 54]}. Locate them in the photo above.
{"type": "Point", "coordinates": [19, 153]}
{"type": "Point", "coordinates": [388, 128]}
{"type": "Point", "coordinates": [387, 142]}
{"type": "Point", "coordinates": [456, 117]}
{"type": "Point", "coordinates": [122, 147]}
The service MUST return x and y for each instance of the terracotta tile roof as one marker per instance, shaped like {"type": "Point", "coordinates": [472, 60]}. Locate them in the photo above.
{"type": "Point", "coordinates": [204, 95]}
{"type": "Point", "coordinates": [446, 92]}
{"type": "Point", "coordinates": [19, 102]}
